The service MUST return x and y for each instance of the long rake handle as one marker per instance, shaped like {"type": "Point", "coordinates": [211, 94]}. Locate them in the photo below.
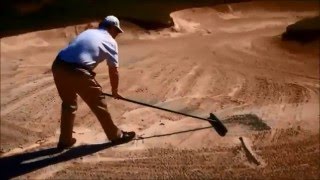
{"type": "Point", "coordinates": [164, 109]}
{"type": "Point", "coordinates": [213, 120]}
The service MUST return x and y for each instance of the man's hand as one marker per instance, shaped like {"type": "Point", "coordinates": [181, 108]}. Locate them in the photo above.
{"type": "Point", "coordinates": [114, 80]}
{"type": "Point", "coordinates": [116, 95]}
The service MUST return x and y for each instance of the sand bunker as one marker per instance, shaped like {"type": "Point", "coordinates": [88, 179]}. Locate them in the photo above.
{"type": "Point", "coordinates": [228, 60]}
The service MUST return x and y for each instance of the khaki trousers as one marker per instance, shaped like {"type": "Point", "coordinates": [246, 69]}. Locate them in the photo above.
{"type": "Point", "coordinates": [70, 81]}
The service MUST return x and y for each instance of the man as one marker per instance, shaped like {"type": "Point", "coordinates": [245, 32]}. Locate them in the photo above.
{"type": "Point", "coordinates": [73, 75]}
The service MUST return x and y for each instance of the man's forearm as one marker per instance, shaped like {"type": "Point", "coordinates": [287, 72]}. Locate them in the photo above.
{"type": "Point", "coordinates": [114, 78]}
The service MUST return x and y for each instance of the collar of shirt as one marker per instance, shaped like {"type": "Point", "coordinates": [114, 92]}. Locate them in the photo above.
{"type": "Point", "coordinates": [105, 31]}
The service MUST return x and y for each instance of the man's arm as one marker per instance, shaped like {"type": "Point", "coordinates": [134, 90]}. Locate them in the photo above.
{"type": "Point", "coordinates": [114, 81]}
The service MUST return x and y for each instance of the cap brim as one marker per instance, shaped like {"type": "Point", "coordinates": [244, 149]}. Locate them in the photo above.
{"type": "Point", "coordinates": [120, 30]}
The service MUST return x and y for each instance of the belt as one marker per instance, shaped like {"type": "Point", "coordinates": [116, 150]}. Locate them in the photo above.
{"type": "Point", "coordinates": [74, 65]}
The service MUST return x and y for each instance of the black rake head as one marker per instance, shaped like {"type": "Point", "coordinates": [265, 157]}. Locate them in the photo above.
{"type": "Point", "coordinates": [217, 125]}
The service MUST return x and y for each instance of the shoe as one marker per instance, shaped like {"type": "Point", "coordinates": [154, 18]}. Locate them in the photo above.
{"type": "Point", "coordinates": [62, 146]}
{"type": "Point", "coordinates": [126, 137]}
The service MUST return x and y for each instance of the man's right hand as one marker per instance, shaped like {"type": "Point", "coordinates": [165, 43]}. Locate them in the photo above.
{"type": "Point", "coordinates": [114, 80]}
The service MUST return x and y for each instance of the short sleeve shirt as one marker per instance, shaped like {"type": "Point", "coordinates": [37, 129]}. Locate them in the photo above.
{"type": "Point", "coordinates": [90, 48]}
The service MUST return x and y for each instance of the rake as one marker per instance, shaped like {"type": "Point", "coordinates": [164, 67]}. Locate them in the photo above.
{"type": "Point", "coordinates": [212, 119]}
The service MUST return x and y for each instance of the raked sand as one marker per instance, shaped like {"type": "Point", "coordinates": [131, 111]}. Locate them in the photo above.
{"type": "Point", "coordinates": [227, 59]}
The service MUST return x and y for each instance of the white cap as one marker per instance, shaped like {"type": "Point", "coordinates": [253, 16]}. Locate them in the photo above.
{"type": "Point", "coordinates": [112, 20]}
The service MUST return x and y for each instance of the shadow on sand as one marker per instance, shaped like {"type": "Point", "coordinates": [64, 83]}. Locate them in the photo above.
{"type": "Point", "coordinates": [174, 133]}
{"type": "Point", "coordinates": [19, 164]}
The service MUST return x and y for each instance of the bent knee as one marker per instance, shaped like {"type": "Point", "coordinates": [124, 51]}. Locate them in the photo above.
{"type": "Point", "coordinates": [97, 102]}
{"type": "Point", "coordinates": [69, 107]}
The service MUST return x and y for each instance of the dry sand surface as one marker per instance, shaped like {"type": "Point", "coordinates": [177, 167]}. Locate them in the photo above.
{"type": "Point", "coordinates": [227, 59]}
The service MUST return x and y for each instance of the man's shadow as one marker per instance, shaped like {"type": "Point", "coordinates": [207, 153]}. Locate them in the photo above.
{"type": "Point", "coordinates": [19, 164]}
